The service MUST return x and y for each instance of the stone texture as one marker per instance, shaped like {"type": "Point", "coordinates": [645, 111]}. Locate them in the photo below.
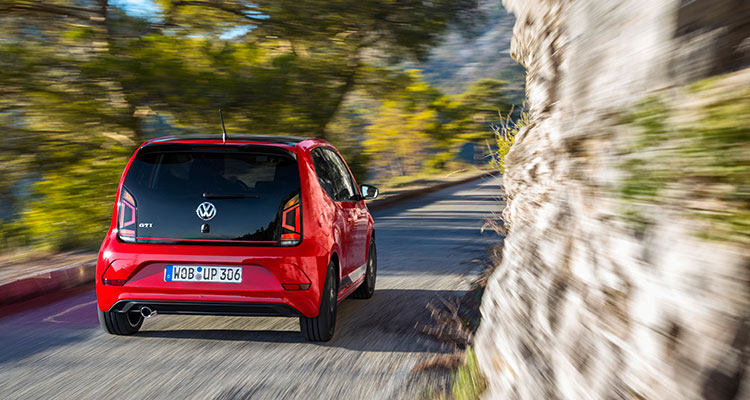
{"type": "Point", "coordinates": [606, 292]}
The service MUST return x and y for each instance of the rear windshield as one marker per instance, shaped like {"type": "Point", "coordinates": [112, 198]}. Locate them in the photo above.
{"type": "Point", "coordinates": [247, 187]}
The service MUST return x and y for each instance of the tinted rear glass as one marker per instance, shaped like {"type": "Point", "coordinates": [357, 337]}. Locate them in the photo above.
{"type": "Point", "coordinates": [247, 187]}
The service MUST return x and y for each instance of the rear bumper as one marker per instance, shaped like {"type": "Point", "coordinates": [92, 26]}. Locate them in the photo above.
{"type": "Point", "coordinates": [139, 270]}
{"type": "Point", "coordinates": [208, 308]}
{"type": "Point", "coordinates": [189, 299]}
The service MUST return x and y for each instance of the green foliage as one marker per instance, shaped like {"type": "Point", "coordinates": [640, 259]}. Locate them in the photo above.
{"type": "Point", "coordinates": [83, 85]}
{"type": "Point", "coordinates": [505, 136]}
{"type": "Point", "coordinates": [419, 127]}
{"type": "Point", "coordinates": [439, 161]}
{"type": "Point", "coordinates": [399, 137]}
{"type": "Point", "coordinates": [459, 60]}
{"type": "Point", "coordinates": [468, 380]}
{"type": "Point", "coordinates": [71, 207]}
{"type": "Point", "coordinates": [13, 235]}
{"type": "Point", "coordinates": [698, 154]}
{"type": "Point", "coordinates": [403, 28]}
{"type": "Point", "coordinates": [79, 34]}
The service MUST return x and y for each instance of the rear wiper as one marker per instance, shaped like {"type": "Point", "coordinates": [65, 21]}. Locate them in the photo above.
{"type": "Point", "coordinates": [229, 196]}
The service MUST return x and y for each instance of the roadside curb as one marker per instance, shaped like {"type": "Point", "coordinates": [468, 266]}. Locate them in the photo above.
{"type": "Point", "coordinates": [74, 275]}
{"type": "Point", "coordinates": [376, 205]}
{"type": "Point", "coordinates": [46, 282]}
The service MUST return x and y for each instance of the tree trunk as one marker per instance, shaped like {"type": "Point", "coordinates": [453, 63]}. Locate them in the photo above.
{"type": "Point", "coordinates": [351, 78]}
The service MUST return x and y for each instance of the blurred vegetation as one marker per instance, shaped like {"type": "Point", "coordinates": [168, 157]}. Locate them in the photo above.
{"type": "Point", "coordinates": [417, 127]}
{"type": "Point", "coordinates": [505, 135]}
{"type": "Point", "coordinates": [458, 61]}
{"type": "Point", "coordinates": [693, 151]}
{"type": "Point", "coordinates": [83, 82]}
{"type": "Point", "coordinates": [468, 381]}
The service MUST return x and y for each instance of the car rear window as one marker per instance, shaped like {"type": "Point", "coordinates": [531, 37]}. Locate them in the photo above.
{"type": "Point", "coordinates": [247, 186]}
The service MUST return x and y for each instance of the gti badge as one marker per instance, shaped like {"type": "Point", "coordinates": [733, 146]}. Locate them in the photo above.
{"type": "Point", "coordinates": [206, 211]}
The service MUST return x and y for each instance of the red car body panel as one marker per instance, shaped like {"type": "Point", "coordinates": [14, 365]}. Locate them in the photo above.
{"type": "Point", "coordinates": [331, 229]}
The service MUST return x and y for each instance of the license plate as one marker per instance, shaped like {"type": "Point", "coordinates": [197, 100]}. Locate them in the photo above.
{"type": "Point", "coordinates": [202, 273]}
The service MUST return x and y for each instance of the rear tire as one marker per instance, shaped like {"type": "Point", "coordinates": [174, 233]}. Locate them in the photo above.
{"type": "Point", "coordinates": [322, 327]}
{"type": "Point", "coordinates": [117, 323]}
{"type": "Point", "coordinates": [367, 288]}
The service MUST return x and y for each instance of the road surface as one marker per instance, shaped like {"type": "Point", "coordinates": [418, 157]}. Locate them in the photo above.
{"type": "Point", "coordinates": [427, 247]}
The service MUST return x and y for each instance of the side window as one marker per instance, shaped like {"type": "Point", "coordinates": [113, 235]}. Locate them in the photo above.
{"type": "Point", "coordinates": [332, 174]}
{"type": "Point", "coordinates": [325, 172]}
{"type": "Point", "coordinates": [344, 183]}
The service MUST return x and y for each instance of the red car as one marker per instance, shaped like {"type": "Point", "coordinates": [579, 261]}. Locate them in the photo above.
{"type": "Point", "coordinates": [250, 225]}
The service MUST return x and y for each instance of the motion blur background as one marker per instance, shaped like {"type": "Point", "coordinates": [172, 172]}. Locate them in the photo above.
{"type": "Point", "coordinates": [402, 88]}
{"type": "Point", "coordinates": [623, 138]}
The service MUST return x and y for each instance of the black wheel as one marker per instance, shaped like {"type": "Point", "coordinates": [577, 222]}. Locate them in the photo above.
{"type": "Point", "coordinates": [367, 288]}
{"type": "Point", "coordinates": [320, 328]}
{"type": "Point", "coordinates": [117, 323]}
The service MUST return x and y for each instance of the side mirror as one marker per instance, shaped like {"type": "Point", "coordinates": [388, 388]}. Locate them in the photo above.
{"type": "Point", "coordinates": [369, 192]}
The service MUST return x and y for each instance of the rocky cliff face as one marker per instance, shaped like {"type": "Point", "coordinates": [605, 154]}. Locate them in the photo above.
{"type": "Point", "coordinates": [626, 271]}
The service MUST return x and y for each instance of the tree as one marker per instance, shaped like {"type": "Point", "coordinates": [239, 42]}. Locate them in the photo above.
{"type": "Point", "coordinates": [82, 81]}
{"type": "Point", "coordinates": [417, 126]}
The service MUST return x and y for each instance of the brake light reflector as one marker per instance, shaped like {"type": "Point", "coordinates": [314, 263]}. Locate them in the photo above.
{"type": "Point", "coordinates": [295, 286]}
{"type": "Point", "coordinates": [126, 217]}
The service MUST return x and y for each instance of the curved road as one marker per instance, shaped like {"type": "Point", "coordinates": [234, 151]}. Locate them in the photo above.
{"type": "Point", "coordinates": [427, 248]}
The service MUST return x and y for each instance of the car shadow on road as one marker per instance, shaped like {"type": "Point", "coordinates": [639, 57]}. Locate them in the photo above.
{"type": "Point", "coordinates": [390, 321]}
{"type": "Point", "coordinates": [269, 336]}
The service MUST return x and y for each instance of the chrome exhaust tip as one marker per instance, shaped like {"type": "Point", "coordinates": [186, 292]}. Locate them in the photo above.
{"type": "Point", "coordinates": [147, 312]}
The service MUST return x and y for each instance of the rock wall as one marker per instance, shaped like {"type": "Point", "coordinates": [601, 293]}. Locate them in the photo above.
{"type": "Point", "coordinates": [626, 270]}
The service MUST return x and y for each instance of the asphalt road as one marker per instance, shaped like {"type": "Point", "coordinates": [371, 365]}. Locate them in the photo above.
{"type": "Point", "coordinates": [427, 247]}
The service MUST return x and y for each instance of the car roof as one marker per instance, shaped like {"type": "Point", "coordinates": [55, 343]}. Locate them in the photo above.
{"type": "Point", "coordinates": [233, 138]}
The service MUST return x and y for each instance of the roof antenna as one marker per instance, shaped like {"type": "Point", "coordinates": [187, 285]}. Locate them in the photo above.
{"type": "Point", "coordinates": [223, 128]}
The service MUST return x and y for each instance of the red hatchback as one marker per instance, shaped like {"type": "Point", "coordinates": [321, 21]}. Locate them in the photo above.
{"type": "Point", "coordinates": [254, 225]}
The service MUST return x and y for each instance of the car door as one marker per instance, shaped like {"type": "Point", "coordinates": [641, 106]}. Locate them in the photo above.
{"type": "Point", "coordinates": [359, 217]}
{"type": "Point", "coordinates": [356, 217]}
{"type": "Point", "coordinates": [332, 183]}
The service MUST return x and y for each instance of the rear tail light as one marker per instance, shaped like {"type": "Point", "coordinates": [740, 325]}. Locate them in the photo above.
{"type": "Point", "coordinates": [126, 217]}
{"type": "Point", "coordinates": [291, 222]}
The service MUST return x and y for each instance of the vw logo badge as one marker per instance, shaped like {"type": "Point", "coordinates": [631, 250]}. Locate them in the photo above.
{"type": "Point", "coordinates": [206, 211]}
